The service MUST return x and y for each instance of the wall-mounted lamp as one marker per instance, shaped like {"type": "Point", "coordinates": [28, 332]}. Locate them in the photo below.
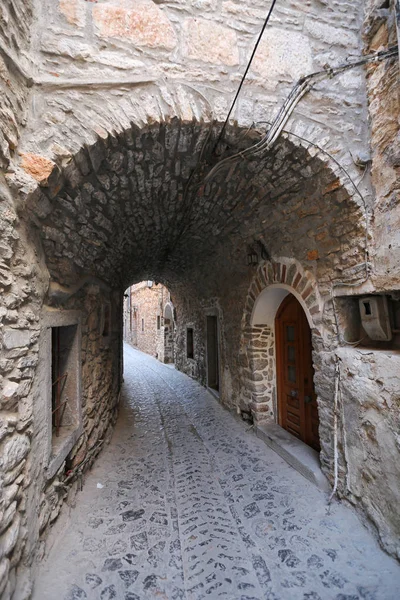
{"type": "Point", "coordinates": [252, 257]}
{"type": "Point", "coordinates": [252, 254]}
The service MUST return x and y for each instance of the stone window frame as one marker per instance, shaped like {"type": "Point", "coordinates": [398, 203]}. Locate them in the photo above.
{"type": "Point", "coordinates": [56, 318]}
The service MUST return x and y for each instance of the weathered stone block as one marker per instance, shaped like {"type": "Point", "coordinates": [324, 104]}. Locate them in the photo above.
{"type": "Point", "coordinates": [14, 451]}
{"type": "Point", "coordinates": [9, 389]}
{"type": "Point", "coordinates": [8, 516]}
{"type": "Point", "coordinates": [16, 338]}
{"type": "Point", "coordinates": [143, 23]}
{"type": "Point", "coordinates": [282, 54]}
{"type": "Point", "coordinates": [210, 42]}
{"type": "Point", "coordinates": [9, 538]}
{"type": "Point", "coordinates": [39, 167]}
{"type": "Point", "coordinates": [73, 11]}
{"type": "Point", "coordinates": [4, 570]}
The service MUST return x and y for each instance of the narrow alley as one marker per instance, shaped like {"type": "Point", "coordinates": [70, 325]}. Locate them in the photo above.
{"type": "Point", "coordinates": [186, 503]}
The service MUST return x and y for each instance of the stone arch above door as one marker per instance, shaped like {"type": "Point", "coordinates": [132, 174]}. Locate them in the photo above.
{"type": "Point", "coordinates": [287, 274]}
{"type": "Point", "coordinates": [273, 281]}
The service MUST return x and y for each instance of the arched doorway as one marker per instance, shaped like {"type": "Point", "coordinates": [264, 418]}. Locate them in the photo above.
{"type": "Point", "coordinates": [297, 403]}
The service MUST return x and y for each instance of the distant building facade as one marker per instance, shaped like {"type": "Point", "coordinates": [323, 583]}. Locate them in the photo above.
{"type": "Point", "coordinates": [149, 322]}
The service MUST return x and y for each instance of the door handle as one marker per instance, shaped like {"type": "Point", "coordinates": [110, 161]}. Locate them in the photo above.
{"type": "Point", "coordinates": [294, 393]}
{"type": "Point", "coordinates": [307, 399]}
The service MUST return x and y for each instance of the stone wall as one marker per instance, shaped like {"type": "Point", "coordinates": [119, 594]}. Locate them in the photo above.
{"type": "Point", "coordinates": [258, 392]}
{"type": "Point", "coordinates": [370, 413]}
{"type": "Point", "coordinates": [92, 58]}
{"type": "Point", "coordinates": [15, 73]}
{"type": "Point", "coordinates": [384, 110]}
{"type": "Point", "coordinates": [99, 357]}
{"type": "Point", "coordinates": [146, 317]}
{"type": "Point", "coordinates": [22, 288]}
{"type": "Point", "coordinates": [31, 496]}
{"type": "Point", "coordinates": [105, 185]}
{"type": "Point", "coordinates": [169, 341]}
{"type": "Point", "coordinates": [368, 407]}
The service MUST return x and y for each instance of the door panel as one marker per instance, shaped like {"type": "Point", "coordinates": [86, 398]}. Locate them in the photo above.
{"type": "Point", "coordinates": [297, 404]}
{"type": "Point", "coordinates": [212, 353]}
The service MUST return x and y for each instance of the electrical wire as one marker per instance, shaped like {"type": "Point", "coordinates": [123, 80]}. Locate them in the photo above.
{"type": "Point", "coordinates": [301, 88]}
{"type": "Point", "coordinates": [271, 8]}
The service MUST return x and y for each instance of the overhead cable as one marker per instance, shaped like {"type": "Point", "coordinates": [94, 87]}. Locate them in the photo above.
{"type": "Point", "coordinates": [271, 8]}
{"type": "Point", "coordinates": [302, 87]}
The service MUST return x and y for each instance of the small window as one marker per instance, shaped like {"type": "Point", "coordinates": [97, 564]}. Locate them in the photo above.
{"type": "Point", "coordinates": [158, 322]}
{"type": "Point", "coordinates": [64, 373]}
{"type": "Point", "coordinates": [142, 324]}
{"type": "Point", "coordinates": [189, 343]}
{"type": "Point", "coordinates": [291, 373]}
{"type": "Point", "coordinates": [290, 333]}
{"type": "Point", "coordinates": [367, 308]}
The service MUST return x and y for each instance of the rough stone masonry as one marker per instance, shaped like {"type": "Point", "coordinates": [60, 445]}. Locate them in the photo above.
{"type": "Point", "coordinates": [110, 112]}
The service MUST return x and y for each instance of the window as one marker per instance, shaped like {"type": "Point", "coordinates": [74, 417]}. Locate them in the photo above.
{"type": "Point", "coordinates": [63, 381]}
{"type": "Point", "coordinates": [367, 307]}
{"type": "Point", "coordinates": [142, 324]}
{"type": "Point", "coordinates": [60, 401]}
{"type": "Point", "coordinates": [189, 343]}
{"type": "Point", "coordinates": [158, 322]}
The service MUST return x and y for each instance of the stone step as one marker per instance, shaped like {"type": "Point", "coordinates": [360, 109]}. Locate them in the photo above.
{"type": "Point", "coordinates": [295, 452]}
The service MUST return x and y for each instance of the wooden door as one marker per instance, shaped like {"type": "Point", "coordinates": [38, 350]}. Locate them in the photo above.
{"type": "Point", "coordinates": [297, 403]}
{"type": "Point", "coordinates": [212, 353]}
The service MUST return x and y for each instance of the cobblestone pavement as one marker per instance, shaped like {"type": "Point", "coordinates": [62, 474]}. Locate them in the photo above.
{"type": "Point", "coordinates": [195, 506]}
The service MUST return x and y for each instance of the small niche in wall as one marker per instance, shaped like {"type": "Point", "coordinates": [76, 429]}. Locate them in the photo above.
{"type": "Point", "coordinates": [189, 343]}
{"type": "Point", "coordinates": [64, 384]}
{"type": "Point", "coordinates": [370, 321]}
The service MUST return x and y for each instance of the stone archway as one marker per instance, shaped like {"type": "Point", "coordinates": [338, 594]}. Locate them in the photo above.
{"type": "Point", "coordinates": [273, 281]}
{"type": "Point", "coordinates": [133, 205]}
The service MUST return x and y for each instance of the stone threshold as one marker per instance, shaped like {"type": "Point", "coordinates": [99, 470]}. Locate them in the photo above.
{"type": "Point", "coordinates": [213, 393]}
{"type": "Point", "coordinates": [295, 452]}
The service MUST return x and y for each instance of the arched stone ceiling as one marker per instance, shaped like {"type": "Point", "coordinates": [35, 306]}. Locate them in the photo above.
{"type": "Point", "coordinates": [135, 205]}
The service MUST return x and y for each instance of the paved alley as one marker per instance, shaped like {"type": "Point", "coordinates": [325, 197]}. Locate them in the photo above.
{"type": "Point", "coordinates": [194, 506]}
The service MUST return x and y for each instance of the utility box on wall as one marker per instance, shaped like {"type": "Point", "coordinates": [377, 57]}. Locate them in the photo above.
{"type": "Point", "coordinates": [375, 317]}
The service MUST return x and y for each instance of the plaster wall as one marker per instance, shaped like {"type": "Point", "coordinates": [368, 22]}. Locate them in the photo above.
{"type": "Point", "coordinates": [384, 111]}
